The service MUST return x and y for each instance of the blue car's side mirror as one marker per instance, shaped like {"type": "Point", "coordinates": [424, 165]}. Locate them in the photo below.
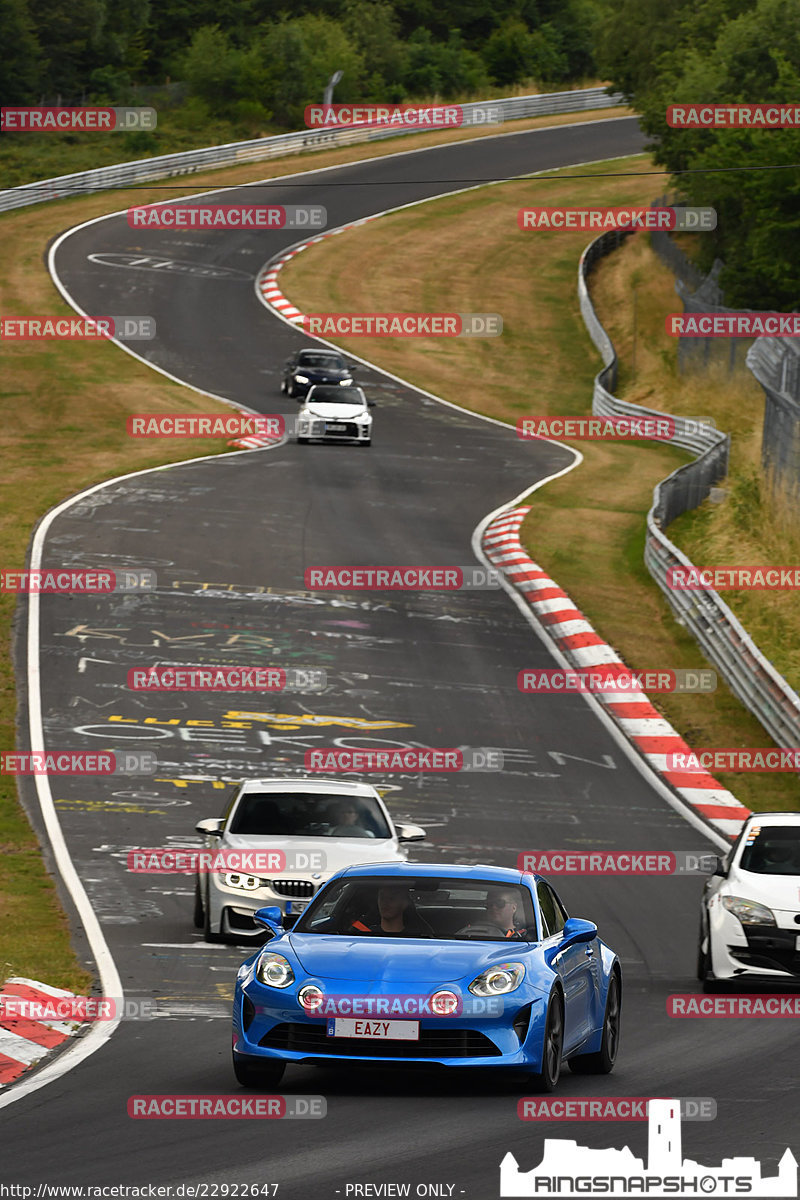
{"type": "Point", "coordinates": [577, 930]}
{"type": "Point", "coordinates": [271, 918]}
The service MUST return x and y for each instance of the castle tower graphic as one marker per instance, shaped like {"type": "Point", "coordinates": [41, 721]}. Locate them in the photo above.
{"type": "Point", "coordinates": [566, 1167]}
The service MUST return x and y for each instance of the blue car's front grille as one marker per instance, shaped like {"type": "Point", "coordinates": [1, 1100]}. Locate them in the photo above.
{"type": "Point", "coordinates": [433, 1043]}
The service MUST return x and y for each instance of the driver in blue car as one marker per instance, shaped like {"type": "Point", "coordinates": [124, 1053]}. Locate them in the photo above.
{"type": "Point", "coordinates": [501, 911]}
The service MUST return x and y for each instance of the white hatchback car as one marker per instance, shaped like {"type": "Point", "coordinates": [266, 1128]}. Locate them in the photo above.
{"type": "Point", "coordinates": [347, 822]}
{"type": "Point", "coordinates": [750, 911]}
{"type": "Point", "coordinates": [335, 414]}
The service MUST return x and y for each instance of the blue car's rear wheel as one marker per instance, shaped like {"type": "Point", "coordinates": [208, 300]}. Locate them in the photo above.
{"type": "Point", "coordinates": [260, 1075]}
{"type": "Point", "coordinates": [602, 1061]}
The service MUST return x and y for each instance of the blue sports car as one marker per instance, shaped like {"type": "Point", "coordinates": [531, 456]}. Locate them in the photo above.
{"type": "Point", "coordinates": [418, 964]}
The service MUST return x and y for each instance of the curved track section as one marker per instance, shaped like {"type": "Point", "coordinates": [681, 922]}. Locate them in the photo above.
{"type": "Point", "coordinates": [229, 540]}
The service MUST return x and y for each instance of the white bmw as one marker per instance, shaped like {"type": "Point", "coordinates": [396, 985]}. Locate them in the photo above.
{"type": "Point", "coordinates": [342, 823]}
{"type": "Point", "coordinates": [335, 414]}
{"type": "Point", "coordinates": [750, 911]}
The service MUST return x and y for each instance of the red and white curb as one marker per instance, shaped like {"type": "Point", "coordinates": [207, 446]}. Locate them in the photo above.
{"type": "Point", "coordinates": [632, 712]}
{"type": "Point", "coordinates": [267, 281]}
{"type": "Point", "coordinates": [23, 1041]}
{"type": "Point", "coordinates": [254, 441]}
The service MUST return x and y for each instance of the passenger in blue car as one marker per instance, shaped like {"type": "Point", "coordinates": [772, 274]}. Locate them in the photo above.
{"type": "Point", "coordinates": [397, 916]}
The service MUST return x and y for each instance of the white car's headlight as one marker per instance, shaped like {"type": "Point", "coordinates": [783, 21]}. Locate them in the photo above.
{"type": "Point", "coordinates": [275, 971]}
{"type": "Point", "coordinates": [248, 883]}
{"type": "Point", "coordinates": [498, 979]}
{"type": "Point", "coordinates": [301, 379]}
{"type": "Point", "coordinates": [748, 911]}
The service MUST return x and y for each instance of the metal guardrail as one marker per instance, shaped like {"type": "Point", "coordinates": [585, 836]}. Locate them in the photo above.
{"type": "Point", "coordinates": [166, 166]}
{"type": "Point", "coordinates": [722, 638]}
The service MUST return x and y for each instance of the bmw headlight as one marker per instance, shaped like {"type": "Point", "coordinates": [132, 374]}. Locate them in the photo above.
{"type": "Point", "coordinates": [301, 379]}
{"type": "Point", "coordinates": [499, 979]}
{"type": "Point", "coordinates": [748, 911]}
{"type": "Point", "coordinates": [345, 382]}
{"type": "Point", "coordinates": [275, 971]}
{"type": "Point", "coordinates": [248, 883]}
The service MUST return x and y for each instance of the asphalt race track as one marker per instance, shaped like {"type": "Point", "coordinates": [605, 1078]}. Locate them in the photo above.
{"type": "Point", "coordinates": [229, 539]}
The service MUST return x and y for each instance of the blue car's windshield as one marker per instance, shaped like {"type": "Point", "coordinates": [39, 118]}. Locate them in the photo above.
{"type": "Point", "coordinates": [451, 909]}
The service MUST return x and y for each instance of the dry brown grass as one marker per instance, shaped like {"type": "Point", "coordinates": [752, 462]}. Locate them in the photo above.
{"type": "Point", "coordinates": [586, 528]}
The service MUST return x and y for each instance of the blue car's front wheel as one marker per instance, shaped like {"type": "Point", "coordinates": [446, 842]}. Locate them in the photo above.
{"type": "Point", "coordinates": [602, 1062]}
{"type": "Point", "coordinates": [261, 1075]}
{"type": "Point", "coordinates": [546, 1080]}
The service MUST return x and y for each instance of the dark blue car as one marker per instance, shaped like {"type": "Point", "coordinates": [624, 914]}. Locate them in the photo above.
{"type": "Point", "coordinates": [306, 368]}
{"type": "Point", "coordinates": [418, 964]}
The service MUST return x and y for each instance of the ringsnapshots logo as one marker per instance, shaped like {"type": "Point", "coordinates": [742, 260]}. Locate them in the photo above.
{"type": "Point", "coordinates": [78, 762]}
{"type": "Point", "coordinates": [617, 862]}
{"type": "Point", "coordinates": [84, 329]}
{"type": "Point", "coordinates": [68, 582]}
{"type": "Point", "coordinates": [172, 678]}
{"type": "Point", "coordinates": [568, 1169]}
{"type": "Point", "coordinates": [758, 759]}
{"type": "Point", "coordinates": [391, 758]}
{"type": "Point", "coordinates": [48, 119]}
{"type": "Point", "coordinates": [224, 1107]}
{"type": "Point", "coordinates": [739, 578]}
{"type": "Point", "coordinates": [388, 116]}
{"type": "Point", "coordinates": [609, 1108]}
{"type": "Point", "coordinates": [403, 324]}
{"type": "Point", "coordinates": [680, 219]}
{"type": "Point", "coordinates": [733, 116]}
{"type": "Point", "coordinates": [400, 579]}
{"type": "Point", "coordinates": [245, 864]}
{"type": "Point", "coordinates": [733, 325]}
{"type": "Point", "coordinates": [192, 425]}
{"type": "Point", "coordinates": [613, 678]}
{"type": "Point", "coordinates": [228, 216]}
{"type": "Point", "coordinates": [351, 1009]}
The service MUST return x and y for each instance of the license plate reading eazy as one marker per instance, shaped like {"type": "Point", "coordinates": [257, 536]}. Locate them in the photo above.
{"type": "Point", "coordinates": [337, 427]}
{"type": "Point", "coordinates": [405, 1031]}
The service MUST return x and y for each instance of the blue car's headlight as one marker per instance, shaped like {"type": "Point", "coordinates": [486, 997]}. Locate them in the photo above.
{"type": "Point", "coordinates": [301, 379]}
{"type": "Point", "coordinates": [499, 979]}
{"type": "Point", "coordinates": [275, 971]}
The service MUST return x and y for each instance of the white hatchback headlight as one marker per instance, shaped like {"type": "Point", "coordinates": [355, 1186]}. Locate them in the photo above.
{"type": "Point", "coordinates": [498, 979]}
{"type": "Point", "coordinates": [748, 911]}
{"type": "Point", "coordinates": [275, 971]}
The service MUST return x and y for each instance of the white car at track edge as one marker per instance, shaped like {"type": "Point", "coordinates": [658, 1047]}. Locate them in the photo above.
{"type": "Point", "coordinates": [750, 910]}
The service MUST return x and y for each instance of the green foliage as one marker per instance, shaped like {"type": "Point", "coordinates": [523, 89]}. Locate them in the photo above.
{"type": "Point", "coordinates": [721, 51]}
